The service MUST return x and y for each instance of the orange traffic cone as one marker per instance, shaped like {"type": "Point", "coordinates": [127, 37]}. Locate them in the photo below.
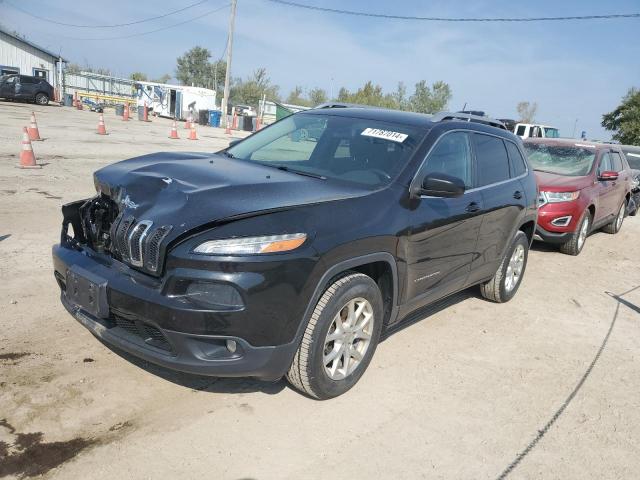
{"type": "Point", "coordinates": [34, 134]}
{"type": "Point", "coordinates": [258, 124]}
{"type": "Point", "coordinates": [102, 130]}
{"type": "Point", "coordinates": [174, 131]}
{"type": "Point", "coordinates": [192, 133]}
{"type": "Point", "coordinates": [125, 114]}
{"type": "Point", "coordinates": [235, 121]}
{"type": "Point", "coordinates": [227, 129]}
{"type": "Point", "coordinates": [189, 122]}
{"type": "Point", "coordinates": [27, 158]}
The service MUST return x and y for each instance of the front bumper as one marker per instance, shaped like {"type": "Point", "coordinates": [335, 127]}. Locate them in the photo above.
{"type": "Point", "coordinates": [138, 319]}
{"type": "Point", "coordinates": [551, 237]}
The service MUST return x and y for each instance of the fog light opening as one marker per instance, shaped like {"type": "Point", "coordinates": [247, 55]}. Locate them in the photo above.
{"type": "Point", "coordinates": [232, 346]}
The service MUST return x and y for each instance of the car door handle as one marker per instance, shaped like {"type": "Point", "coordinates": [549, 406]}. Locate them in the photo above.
{"type": "Point", "coordinates": [472, 207]}
{"type": "Point", "coordinates": [517, 195]}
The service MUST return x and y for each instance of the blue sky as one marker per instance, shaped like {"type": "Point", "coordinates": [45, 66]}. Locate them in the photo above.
{"type": "Point", "coordinates": [573, 70]}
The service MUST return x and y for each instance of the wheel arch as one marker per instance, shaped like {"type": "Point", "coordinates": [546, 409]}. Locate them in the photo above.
{"type": "Point", "coordinates": [379, 266]}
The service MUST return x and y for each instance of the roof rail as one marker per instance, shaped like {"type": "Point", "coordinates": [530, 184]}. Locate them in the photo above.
{"type": "Point", "coordinates": [467, 117]}
{"type": "Point", "coordinates": [342, 105]}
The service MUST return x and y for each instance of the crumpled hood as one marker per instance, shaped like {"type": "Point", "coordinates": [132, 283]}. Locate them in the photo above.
{"type": "Point", "coordinates": [188, 190]}
{"type": "Point", "coordinates": [562, 182]}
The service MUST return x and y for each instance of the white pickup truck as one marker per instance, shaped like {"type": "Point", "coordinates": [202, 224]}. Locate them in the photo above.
{"type": "Point", "coordinates": [529, 130]}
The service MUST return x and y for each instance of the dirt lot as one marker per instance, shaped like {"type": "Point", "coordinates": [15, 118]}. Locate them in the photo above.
{"type": "Point", "coordinates": [545, 386]}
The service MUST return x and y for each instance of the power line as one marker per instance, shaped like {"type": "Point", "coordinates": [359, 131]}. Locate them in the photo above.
{"type": "Point", "coordinates": [44, 19]}
{"type": "Point", "coordinates": [151, 31]}
{"type": "Point", "coordinates": [451, 19]}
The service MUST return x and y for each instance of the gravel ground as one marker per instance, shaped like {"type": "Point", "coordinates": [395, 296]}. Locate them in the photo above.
{"type": "Point", "coordinates": [545, 386]}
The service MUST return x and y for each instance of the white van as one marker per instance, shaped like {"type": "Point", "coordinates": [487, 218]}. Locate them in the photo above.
{"type": "Point", "coordinates": [532, 130]}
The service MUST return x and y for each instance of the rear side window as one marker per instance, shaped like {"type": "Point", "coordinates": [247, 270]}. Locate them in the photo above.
{"type": "Point", "coordinates": [451, 156]}
{"type": "Point", "coordinates": [518, 165]}
{"type": "Point", "coordinates": [28, 80]}
{"type": "Point", "coordinates": [492, 160]}
{"type": "Point", "coordinates": [521, 130]}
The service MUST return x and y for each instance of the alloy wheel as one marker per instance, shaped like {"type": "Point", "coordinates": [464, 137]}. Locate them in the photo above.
{"type": "Point", "coordinates": [582, 235]}
{"type": "Point", "coordinates": [348, 338]}
{"type": "Point", "coordinates": [514, 268]}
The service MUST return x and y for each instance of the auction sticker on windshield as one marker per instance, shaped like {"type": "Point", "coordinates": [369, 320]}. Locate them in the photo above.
{"type": "Point", "coordinates": [385, 134]}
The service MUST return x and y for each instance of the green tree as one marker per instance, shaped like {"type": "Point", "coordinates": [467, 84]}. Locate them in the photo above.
{"type": "Point", "coordinates": [317, 96]}
{"type": "Point", "coordinates": [368, 94]}
{"type": "Point", "coordinates": [400, 97]}
{"type": "Point", "coordinates": [624, 121]}
{"type": "Point", "coordinates": [162, 79]}
{"type": "Point", "coordinates": [527, 111]}
{"type": "Point", "coordinates": [296, 97]}
{"type": "Point", "coordinates": [432, 99]}
{"type": "Point", "coordinates": [250, 91]}
{"type": "Point", "coordinates": [217, 71]}
{"type": "Point", "coordinates": [193, 67]}
{"type": "Point", "coordinates": [138, 77]}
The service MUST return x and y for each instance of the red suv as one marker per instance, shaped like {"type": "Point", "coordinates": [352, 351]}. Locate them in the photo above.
{"type": "Point", "coordinates": [583, 186]}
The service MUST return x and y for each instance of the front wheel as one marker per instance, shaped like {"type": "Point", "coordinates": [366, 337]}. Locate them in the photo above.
{"type": "Point", "coordinates": [340, 339]}
{"type": "Point", "coordinates": [42, 99]}
{"type": "Point", "coordinates": [615, 226]}
{"type": "Point", "coordinates": [505, 283]}
{"type": "Point", "coordinates": [579, 237]}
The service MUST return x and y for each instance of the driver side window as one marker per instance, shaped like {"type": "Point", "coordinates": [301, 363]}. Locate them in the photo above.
{"type": "Point", "coordinates": [451, 156]}
{"type": "Point", "coordinates": [605, 163]}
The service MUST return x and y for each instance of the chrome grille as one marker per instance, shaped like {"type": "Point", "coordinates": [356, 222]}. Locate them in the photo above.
{"type": "Point", "coordinates": [136, 237]}
{"type": "Point", "coordinates": [152, 253]}
{"type": "Point", "coordinates": [122, 235]}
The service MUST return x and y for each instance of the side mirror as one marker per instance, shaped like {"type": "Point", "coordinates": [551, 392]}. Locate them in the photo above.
{"type": "Point", "coordinates": [442, 185]}
{"type": "Point", "coordinates": [608, 176]}
{"type": "Point", "coordinates": [233, 142]}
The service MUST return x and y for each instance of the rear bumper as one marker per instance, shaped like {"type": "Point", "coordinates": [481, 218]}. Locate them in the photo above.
{"type": "Point", "coordinates": [142, 331]}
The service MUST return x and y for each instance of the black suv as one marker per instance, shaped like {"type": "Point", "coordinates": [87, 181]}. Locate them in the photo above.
{"type": "Point", "coordinates": [24, 87]}
{"type": "Point", "coordinates": [289, 253]}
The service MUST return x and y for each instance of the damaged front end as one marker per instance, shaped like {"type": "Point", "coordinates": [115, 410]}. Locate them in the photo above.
{"type": "Point", "coordinates": [107, 227]}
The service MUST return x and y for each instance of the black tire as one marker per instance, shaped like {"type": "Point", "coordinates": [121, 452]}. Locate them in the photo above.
{"type": "Point", "coordinates": [42, 99]}
{"type": "Point", "coordinates": [496, 289]}
{"type": "Point", "coordinates": [307, 372]}
{"type": "Point", "coordinates": [575, 245]}
{"type": "Point", "coordinates": [616, 224]}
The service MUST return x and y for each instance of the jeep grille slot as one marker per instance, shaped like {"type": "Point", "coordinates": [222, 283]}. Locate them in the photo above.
{"type": "Point", "coordinates": [136, 237]}
{"type": "Point", "coordinates": [152, 253]}
{"type": "Point", "coordinates": [122, 236]}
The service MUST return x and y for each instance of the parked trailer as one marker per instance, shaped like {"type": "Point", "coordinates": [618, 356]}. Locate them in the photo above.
{"type": "Point", "coordinates": [175, 101]}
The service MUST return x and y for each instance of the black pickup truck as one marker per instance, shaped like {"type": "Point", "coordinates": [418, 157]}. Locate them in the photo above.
{"type": "Point", "coordinates": [289, 253]}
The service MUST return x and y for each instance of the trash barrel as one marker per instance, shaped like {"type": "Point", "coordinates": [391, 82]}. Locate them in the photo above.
{"type": "Point", "coordinates": [68, 100]}
{"type": "Point", "coordinates": [119, 110]}
{"type": "Point", "coordinates": [141, 113]}
{"type": "Point", "coordinates": [203, 117]}
{"type": "Point", "coordinates": [247, 123]}
{"type": "Point", "coordinates": [214, 118]}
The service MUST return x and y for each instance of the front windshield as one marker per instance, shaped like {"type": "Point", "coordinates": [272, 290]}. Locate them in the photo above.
{"type": "Point", "coordinates": [367, 152]}
{"type": "Point", "coordinates": [568, 160]}
{"type": "Point", "coordinates": [550, 132]}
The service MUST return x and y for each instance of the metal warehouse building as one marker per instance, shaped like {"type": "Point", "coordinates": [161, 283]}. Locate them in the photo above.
{"type": "Point", "coordinates": [18, 55]}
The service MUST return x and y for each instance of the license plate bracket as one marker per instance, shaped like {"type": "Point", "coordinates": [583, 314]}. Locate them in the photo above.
{"type": "Point", "coordinates": [87, 291]}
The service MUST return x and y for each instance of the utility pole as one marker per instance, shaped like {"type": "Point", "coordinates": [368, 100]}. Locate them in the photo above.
{"type": "Point", "coordinates": [227, 76]}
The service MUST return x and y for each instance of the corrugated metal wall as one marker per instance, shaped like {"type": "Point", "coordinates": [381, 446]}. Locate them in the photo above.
{"type": "Point", "coordinates": [14, 53]}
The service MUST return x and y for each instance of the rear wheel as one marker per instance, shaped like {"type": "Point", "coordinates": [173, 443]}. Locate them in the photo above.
{"type": "Point", "coordinates": [42, 99]}
{"type": "Point", "coordinates": [505, 283]}
{"type": "Point", "coordinates": [340, 339]}
{"type": "Point", "coordinates": [615, 226]}
{"type": "Point", "coordinates": [579, 237]}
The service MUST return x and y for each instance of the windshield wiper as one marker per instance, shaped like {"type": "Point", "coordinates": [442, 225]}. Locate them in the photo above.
{"type": "Point", "coordinates": [300, 172]}
{"type": "Point", "coordinates": [545, 171]}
